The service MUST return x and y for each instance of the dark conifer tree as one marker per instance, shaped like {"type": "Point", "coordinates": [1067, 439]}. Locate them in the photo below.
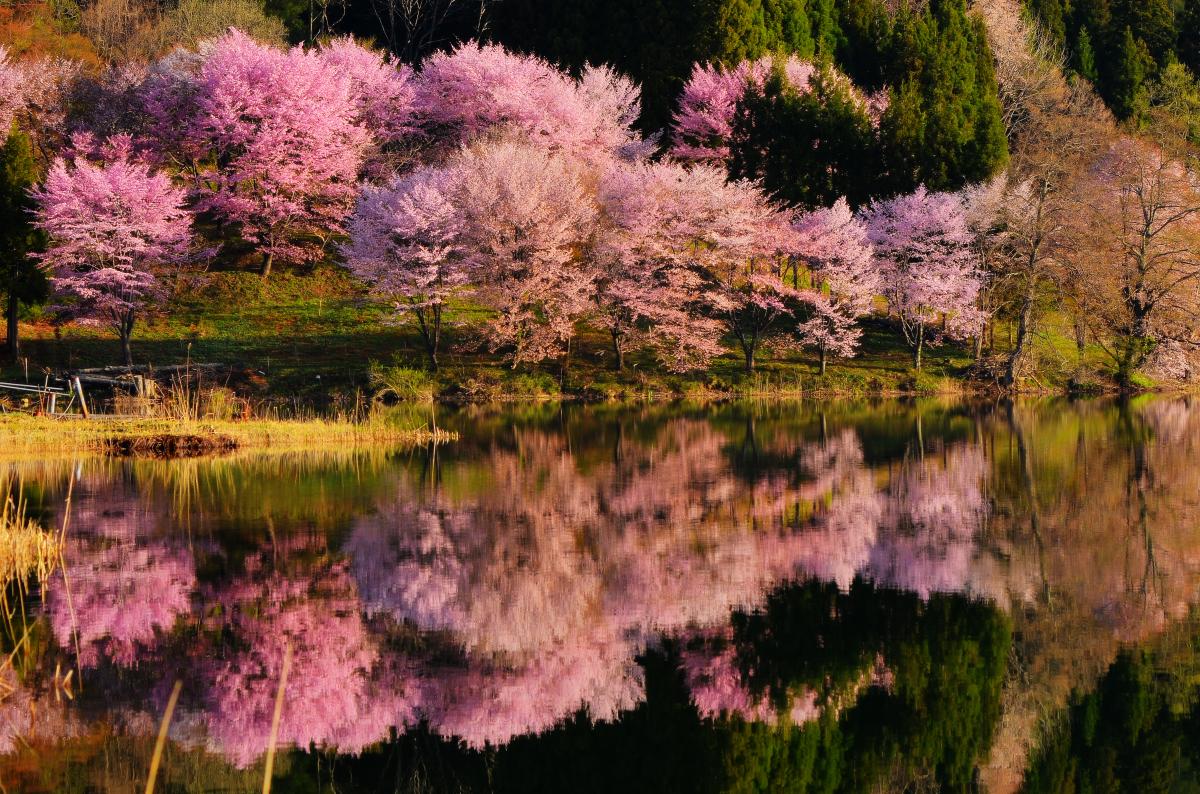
{"type": "Point", "coordinates": [1125, 86]}
{"type": "Point", "coordinates": [807, 148]}
{"type": "Point", "coordinates": [21, 279]}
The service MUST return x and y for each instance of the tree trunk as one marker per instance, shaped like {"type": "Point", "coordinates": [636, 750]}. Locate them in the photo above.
{"type": "Point", "coordinates": [824, 359]}
{"type": "Point", "coordinates": [1018, 349]}
{"type": "Point", "coordinates": [14, 339]}
{"type": "Point", "coordinates": [618, 351]}
{"type": "Point", "coordinates": [268, 258]}
{"type": "Point", "coordinates": [749, 350]}
{"type": "Point", "coordinates": [566, 364]}
{"type": "Point", "coordinates": [126, 331]}
{"type": "Point", "coordinates": [917, 348]}
{"type": "Point", "coordinates": [431, 334]}
{"type": "Point", "coordinates": [127, 350]}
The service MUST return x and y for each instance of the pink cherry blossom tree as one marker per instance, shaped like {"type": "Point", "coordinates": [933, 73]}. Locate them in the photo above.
{"type": "Point", "coordinates": [407, 240]}
{"type": "Point", "coordinates": [527, 216]}
{"type": "Point", "coordinates": [113, 225]}
{"type": "Point", "coordinates": [928, 267]}
{"type": "Point", "coordinates": [479, 87]}
{"type": "Point", "coordinates": [383, 90]}
{"type": "Point", "coordinates": [647, 283]}
{"type": "Point", "coordinates": [703, 124]}
{"type": "Point", "coordinates": [836, 247]}
{"type": "Point", "coordinates": [740, 239]}
{"type": "Point", "coordinates": [12, 91]}
{"type": "Point", "coordinates": [281, 131]}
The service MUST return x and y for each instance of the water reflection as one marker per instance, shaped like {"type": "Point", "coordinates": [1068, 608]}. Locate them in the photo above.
{"type": "Point", "coordinates": [834, 597]}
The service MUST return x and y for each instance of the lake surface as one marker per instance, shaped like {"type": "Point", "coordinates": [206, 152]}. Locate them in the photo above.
{"type": "Point", "coordinates": [887, 596]}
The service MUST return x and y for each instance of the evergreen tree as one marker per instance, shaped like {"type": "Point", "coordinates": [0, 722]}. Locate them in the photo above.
{"type": "Point", "coordinates": [902, 138]}
{"type": "Point", "coordinates": [1152, 22]}
{"type": "Point", "coordinates": [789, 28]}
{"type": "Point", "coordinates": [1189, 35]}
{"type": "Point", "coordinates": [1085, 56]}
{"type": "Point", "coordinates": [21, 279]}
{"type": "Point", "coordinates": [864, 33]}
{"type": "Point", "coordinates": [944, 128]}
{"type": "Point", "coordinates": [732, 31]}
{"type": "Point", "coordinates": [1095, 15]}
{"type": "Point", "coordinates": [1053, 18]}
{"type": "Point", "coordinates": [1126, 85]}
{"type": "Point", "coordinates": [808, 148]}
{"type": "Point", "coordinates": [826, 29]}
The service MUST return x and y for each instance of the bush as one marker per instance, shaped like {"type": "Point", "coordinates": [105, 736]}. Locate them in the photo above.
{"type": "Point", "coordinates": [532, 384]}
{"type": "Point", "coordinates": [403, 383]}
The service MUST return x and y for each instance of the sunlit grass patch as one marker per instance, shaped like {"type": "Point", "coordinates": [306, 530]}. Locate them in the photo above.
{"type": "Point", "coordinates": [20, 432]}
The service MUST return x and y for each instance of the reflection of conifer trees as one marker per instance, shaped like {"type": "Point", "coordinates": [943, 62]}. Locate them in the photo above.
{"type": "Point", "coordinates": [1138, 730]}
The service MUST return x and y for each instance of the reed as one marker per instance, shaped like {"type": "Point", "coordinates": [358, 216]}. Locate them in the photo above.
{"type": "Point", "coordinates": [26, 550]}
{"type": "Point", "coordinates": [269, 768]}
{"type": "Point", "coordinates": [161, 742]}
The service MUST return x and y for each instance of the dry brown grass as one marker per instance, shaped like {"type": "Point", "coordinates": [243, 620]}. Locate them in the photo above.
{"type": "Point", "coordinates": [26, 550]}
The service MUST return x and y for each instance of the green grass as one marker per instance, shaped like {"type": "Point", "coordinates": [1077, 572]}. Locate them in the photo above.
{"type": "Point", "coordinates": [318, 337]}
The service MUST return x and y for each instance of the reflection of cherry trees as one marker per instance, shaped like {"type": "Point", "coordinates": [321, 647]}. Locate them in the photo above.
{"type": "Point", "coordinates": [489, 701]}
{"type": "Point", "coordinates": [500, 592]}
{"type": "Point", "coordinates": [495, 590]}
{"type": "Point", "coordinates": [719, 688]}
{"type": "Point", "coordinates": [123, 588]}
{"type": "Point", "coordinates": [332, 694]}
{"type": "Point", "coordinates": [934, 510]}
{"type": "Point", "coordinates": [551, 585]}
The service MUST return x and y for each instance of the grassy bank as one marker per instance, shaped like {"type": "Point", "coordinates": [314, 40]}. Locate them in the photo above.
{"type": "Point", "coordinates": [315, 338]}
{"type": "Point", "coordinates": [24, 433]}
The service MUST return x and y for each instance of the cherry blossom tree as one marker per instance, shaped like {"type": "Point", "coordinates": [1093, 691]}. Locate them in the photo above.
{"type": "Point", "coordinates": [407, 242]}
{"type": "Point", "coordinates": [281, 129]}
{"type": "Point", "coordinates": [927, 265]}
{"type": "Point", "coordinates": [741, 238]}
{"type": "Point", "coordinates": [527, 217]}
{"type": "Point", "coordinates": [836, 246]}
{"type": "Point", "coordinates": [647, 283]}
{"type": "Point", "coordinates": [383, 90]}
{"type": "Point", "coordinates": [479, 87]}
{"type": "Point", "coordinates": [12, 91]}
{"type": "Point", "coordinates": [703, 124]}
{"type": "Point", "coordinates": [166, 100]}
{"type": "Point", "coordinates": [112, 225]}
{"type": "Point", "coordinates": [1135, 259]}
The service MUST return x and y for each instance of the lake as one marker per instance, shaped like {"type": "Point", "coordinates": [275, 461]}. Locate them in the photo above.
{"type": "Point", "coordinates": [809, 596]}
